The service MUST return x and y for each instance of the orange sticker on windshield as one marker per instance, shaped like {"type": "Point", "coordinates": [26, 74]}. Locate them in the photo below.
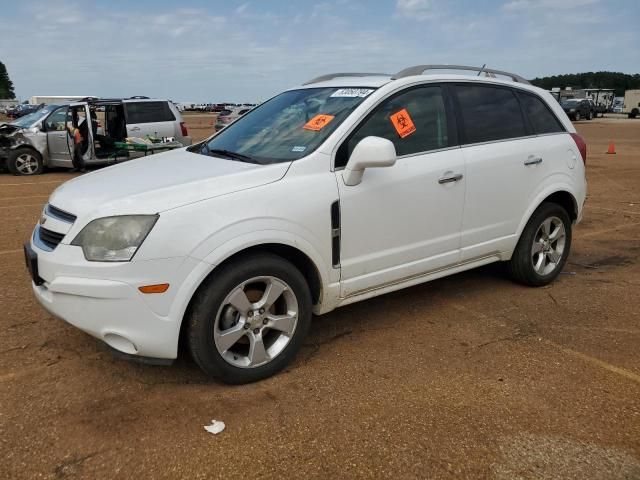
{"type": "Point", "coordinates": [403, 123]}
{"type": "Point", "coordinates": [318, 122]}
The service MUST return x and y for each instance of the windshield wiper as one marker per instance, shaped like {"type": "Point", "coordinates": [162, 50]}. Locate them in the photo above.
{"type": "Point", "coordinates": [230, 154]}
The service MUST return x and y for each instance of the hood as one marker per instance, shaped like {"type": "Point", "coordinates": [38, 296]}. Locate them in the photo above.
{"type": "Point", "coordinates": [160, 182]}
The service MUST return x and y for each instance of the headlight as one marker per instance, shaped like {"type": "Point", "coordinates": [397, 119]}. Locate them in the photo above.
{"type": "Point", "coordinates": [572, 110]}
{"type": "Point", "coordinates": [114, 239]}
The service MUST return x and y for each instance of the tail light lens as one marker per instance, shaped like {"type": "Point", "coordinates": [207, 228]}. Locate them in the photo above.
{"type": "Point", "coordinates": [185, 132]}
{"type": "Point", "coordinates": [582, 146]}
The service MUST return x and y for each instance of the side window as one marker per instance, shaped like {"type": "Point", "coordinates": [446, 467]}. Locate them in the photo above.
{"type": "Point", "coordinates": [541, 117]}
{"type": "Point", "coordinates": [489, 113]}
{"type": "Point", "coordinates": [414, 120]}
{"type": "Point", "coordinates": [57, 120]}
{"type": "Point", "coordinates": [148, 112]}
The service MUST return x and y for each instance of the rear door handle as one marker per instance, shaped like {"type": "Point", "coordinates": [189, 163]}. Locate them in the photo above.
{"type": "Point", "coordinates": [533, 161]}
{"type": "Point", "coordinates": [448, 178]}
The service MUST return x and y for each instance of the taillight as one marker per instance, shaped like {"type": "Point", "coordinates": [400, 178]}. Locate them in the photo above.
{"type": "Point", "coordinates": [582, 146]}
{"type": "Point", "coordinates": [183, 129]}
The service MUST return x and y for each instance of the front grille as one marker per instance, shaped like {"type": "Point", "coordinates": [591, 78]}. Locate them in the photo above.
{"type": "Point", "coordinates": [49, 238]}
{"type": "Point", "coordinates": [60, 214]}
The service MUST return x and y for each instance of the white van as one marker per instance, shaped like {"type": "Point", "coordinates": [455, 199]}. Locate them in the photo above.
{"type": "Point", "coordinates": [31, 143]}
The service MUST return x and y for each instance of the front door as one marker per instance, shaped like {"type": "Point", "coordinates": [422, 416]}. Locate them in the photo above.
{"type": "Point", "coordinates": [403, 221]}
{"type": "Point", "coordinates": [58, 137]}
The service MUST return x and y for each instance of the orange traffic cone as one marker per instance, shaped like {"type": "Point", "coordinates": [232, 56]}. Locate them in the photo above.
{"type": "Point", "coordinates": [612, 148]}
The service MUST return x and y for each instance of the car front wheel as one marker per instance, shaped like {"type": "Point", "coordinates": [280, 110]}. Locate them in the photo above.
{"type": "Point", "coordinates": [543, 247]}
{"type": "Point", "coordinates": [24, 161]}
{"type": "Point", "coordinates": [249, 319]}
{"type": "Point", "coordinates": [577, 116]}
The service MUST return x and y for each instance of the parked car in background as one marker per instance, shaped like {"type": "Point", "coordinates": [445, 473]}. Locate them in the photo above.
{"type": "Point", "coordinates": [226, 117]}
{"type": "Point", "coordinates": [41, 138]}
{"type": "Point", "coordinates": [579, 108]}
{"type": "Point", "coordinates": [24, 109]}
{"type": "Point", "coordinates": [347, 187]}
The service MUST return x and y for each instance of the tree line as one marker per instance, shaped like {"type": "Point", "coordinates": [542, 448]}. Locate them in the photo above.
{"type": "Point", "coordinates": [619, 81]}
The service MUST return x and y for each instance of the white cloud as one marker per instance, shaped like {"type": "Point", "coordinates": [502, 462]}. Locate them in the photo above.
{"type": "Point", "coordinates": [242, 8]}
{"type": "Point", "coordinates": [519, 5]}
{"type": "Point", "coordinates": [416, 9]}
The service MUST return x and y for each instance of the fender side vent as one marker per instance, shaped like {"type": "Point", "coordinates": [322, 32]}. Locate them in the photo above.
{"type": "Point", "coordinates": [335, 234]}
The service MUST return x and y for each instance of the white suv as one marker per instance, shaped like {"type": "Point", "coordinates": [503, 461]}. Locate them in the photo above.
{"type": "Point", "coordinates": [348, 187]}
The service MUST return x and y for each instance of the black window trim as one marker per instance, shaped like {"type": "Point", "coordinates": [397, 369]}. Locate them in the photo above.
{"type": "Point", "coordinates": [452, 128]}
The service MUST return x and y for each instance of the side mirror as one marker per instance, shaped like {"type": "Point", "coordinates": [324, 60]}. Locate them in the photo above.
{"type": "Point", "coordinates": [370, 152]}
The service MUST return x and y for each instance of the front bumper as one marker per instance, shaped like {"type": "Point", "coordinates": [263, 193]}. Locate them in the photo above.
{"type": "Point", "coordinates": [86, 295]}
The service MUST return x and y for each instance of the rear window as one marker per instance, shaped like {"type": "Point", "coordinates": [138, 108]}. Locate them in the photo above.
{"type": "Point", "coordinates": [489, 113]}
{"type": "Point", "coordinates": [148, 112]}
{"type": "Point", "coordinates": [541, 117]}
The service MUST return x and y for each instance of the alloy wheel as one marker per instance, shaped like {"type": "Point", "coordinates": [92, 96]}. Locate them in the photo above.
{"type": "Point", "coordinates": [548, 246]}
{"type": "Point", "coordinates": [255, 322]}
{"type": "Point", "coordinates": [26, 164]}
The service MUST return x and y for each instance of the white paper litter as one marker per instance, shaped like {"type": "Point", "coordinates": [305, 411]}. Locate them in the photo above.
{"type": "Point", "coordinates": [216, 427]}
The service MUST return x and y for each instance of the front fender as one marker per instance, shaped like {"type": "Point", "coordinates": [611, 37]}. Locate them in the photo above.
{"type": "Point", "coordinates": [226, 243]}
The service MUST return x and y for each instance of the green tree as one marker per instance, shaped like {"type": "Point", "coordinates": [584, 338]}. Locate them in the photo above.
{"type": "Point", "coordinates": [616, 80]}
{"type": "Point", "coordinates": [6, 85]}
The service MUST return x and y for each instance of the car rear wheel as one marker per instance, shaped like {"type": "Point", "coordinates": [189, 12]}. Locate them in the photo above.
{"type": "Point", "coordinates": [249, 319]}
{"type": "Point", "coordinates": [543, 247]}
{"type": "Point", "coordinates": [24, 161]}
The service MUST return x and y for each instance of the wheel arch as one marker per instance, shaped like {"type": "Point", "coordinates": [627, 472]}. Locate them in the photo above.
{"type": "Point", "coordinates": [562, 197]}
{"type": "Point", "coordinates": [300, 260]}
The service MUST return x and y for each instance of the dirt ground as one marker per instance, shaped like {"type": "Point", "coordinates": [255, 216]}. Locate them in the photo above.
{"type": "Point", "coordinates": [471, 376]}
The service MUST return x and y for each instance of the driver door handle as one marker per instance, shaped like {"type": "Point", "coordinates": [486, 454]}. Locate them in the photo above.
{"type": "Point", "coordinates": [533, 161]}
{"type": "Point", "coordinates": [448, 178]}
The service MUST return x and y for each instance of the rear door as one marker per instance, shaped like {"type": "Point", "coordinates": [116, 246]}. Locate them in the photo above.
{"type": "Point", "coordinates": [149, 118]}
{"type": "Point", "coordinates": [504, 165]}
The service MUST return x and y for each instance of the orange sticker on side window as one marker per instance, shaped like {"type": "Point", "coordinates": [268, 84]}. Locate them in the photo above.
{"type": "Point", "coordinates": [403, 123]}
{"type": "Point", "coordinates": [318, 122]}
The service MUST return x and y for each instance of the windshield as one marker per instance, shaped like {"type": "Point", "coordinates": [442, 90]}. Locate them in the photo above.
{"type": "Point", "coordinates": [287, 127]}
{"type": "Point", "coordinates": [31, 118]}
{"type": "Point", "coordinates": [570, 103]}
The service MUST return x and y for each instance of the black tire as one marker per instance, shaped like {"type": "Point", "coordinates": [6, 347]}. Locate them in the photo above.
{"type": "Point", "coordinates": [521, 265]}
{"type": "Point", "coordinates": [17, 158]}
{"type": "Point", "coordinates": [590, 115]}
{"type": "Point", "coordinates": [577, 116]}
{"type": "Point", "coordinates": [208, 303]}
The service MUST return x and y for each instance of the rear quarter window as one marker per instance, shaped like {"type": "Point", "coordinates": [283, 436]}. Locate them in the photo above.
{"type": "Point", "coordinates": [148, 112]}
{"type": "Point", "coordinates": [540, 115]}
{"type": "Point", "coordinates": [489, 113]}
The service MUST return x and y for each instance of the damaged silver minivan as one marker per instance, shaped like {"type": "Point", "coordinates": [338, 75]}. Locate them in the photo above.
{"type": "Point", "coordinates": [42, 138]}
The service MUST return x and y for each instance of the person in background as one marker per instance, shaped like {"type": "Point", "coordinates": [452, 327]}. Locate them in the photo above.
{"type": "Point", "coordinates": [80, 135]}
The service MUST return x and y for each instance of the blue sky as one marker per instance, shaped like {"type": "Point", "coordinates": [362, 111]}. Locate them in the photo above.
{"type": "Point", "coordinates": [211, 51]}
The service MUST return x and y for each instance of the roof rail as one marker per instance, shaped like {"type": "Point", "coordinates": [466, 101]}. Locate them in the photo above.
{"type": "Point", "coordinates": [329, 76]}
{"type": "Point", "coordinates": [420, 69]}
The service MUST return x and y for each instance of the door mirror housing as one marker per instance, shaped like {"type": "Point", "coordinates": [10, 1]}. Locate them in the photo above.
{"type": "Point", "coordinates": [370, 152]}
